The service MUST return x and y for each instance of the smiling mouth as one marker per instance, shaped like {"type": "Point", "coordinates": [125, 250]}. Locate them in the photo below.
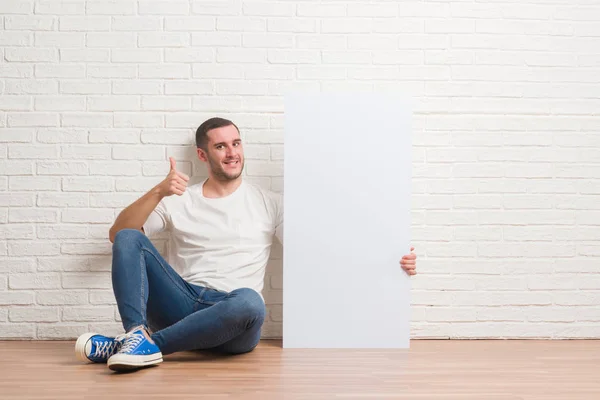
{"type": "Point", "coordinates": [231, 163]}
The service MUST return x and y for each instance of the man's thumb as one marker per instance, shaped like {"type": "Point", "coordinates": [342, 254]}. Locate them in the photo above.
{"type": "Point", "coordinates": [172, 163]}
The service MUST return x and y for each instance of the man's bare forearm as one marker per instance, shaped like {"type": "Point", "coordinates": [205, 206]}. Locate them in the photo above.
{"type": "Point", "coordinates": [136, 214]}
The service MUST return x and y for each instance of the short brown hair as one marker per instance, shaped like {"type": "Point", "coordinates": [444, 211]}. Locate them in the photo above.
{"type": "Point", "coordinates": [212, 123]}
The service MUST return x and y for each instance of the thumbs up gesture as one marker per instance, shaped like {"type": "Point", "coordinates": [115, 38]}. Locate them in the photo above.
{"type": "Point", "coordinates": [175, 182]}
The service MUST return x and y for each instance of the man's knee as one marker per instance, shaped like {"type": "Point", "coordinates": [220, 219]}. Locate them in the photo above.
{"type": "Point", "coordinates": [251, 304]}
{"type": "Point", "coordinates": [127, 237]}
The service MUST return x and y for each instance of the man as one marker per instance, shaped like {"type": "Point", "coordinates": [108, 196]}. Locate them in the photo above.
{"type": "Point", "coordinates": [221, 231]}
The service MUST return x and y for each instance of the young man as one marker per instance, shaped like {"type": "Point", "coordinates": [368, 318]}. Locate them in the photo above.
{"type": "Point", "coordinates": [221, 231]}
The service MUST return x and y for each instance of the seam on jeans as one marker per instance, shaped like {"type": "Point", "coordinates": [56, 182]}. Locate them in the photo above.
{"type": "Point", "coordinates": [201, 300]}
{"type": "Point", "coordinates": [169, 275]}
{"type": "Point", "coordinates": [142, 297]}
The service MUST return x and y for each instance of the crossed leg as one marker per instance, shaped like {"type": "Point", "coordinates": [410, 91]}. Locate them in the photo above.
{"type": "Point", "coordinates": [183, 316]}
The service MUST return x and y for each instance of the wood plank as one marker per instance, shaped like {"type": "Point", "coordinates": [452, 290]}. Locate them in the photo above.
{"type": "Point", "coordinates": [430, 369]}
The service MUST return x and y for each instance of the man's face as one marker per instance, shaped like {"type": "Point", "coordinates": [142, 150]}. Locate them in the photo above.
{"type": "Point", "coordinates": [225, 154]}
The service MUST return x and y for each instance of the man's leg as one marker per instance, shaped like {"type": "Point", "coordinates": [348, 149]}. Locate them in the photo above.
{"type": "Point", "coordinates": [228, 322]}
{"type": "Point", "coordinates": [139, 272]}
{"type": "Point", "coordinates": [188, 317]}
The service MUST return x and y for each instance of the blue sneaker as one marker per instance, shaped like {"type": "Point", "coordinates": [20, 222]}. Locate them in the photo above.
{"type": "Point", "coordinates": [93, 347]}
{"type": "Point", "coordinates": [136, 351]}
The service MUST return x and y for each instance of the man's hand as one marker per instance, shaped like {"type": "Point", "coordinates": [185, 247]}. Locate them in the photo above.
{"type": "Point", "coordinates": [409, 262]}
{"type": "Point", "coordinates": [174, 183]}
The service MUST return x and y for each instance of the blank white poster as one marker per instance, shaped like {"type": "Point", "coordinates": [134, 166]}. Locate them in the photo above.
{"type": "Point", "coordinates": [347, 170]}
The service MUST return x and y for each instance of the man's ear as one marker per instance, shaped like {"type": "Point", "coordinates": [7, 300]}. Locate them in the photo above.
{"type": "Point", "coordinates": [201, 155]}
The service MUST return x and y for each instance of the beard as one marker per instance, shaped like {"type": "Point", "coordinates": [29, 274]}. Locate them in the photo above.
{"type": "Point", "coordinates": [220, 173]}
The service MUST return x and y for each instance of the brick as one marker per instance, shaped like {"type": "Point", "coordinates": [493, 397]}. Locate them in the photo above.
{"type": "Point", "coordinates": [17, 231]}
{"type": "Point", "coordinates": [268, 9]}
{"type": "Point", "coordinates": [136, 24]}
{"type": "Point", "coordinates": [111, 329]}
{"type": "Point", "coordinates": [17, 7]}
{"type": "Point", "coordinates": [114, 200]}
{"type": "Point", "coordinates": [188, 87]}
{"type": "Point", "coordinates": [192, 23]}
{"type": "Point", "coordinates": [214, 39]}
{"type": "Point", "coordinates": [32, 119]}
{"type": "Point", "coordinates": [89, 119]}
{"type": "Point", "coordinates": [32, 248]}
{"type": "Point", "coordinates": [27, 151]}
{"type": "Point", "coordinates": [16, 167]}
{"type": "Point", "coordinates": [8, 298]}
{"type": "Point", "coordinates": [166, 103]}
{"type": "Point", "coordinates": [59, 103]}
{"type": "Point", "coordinates": [25, 54]}
{"type": "Point", "coordinates": [23, 215]}
{"type": "Point", "coordinates": [59, 71]}
{"type": "Point", "coordinates": [104, 248]}
{"type": "Point", "coordinates": [177, 7]}
{"type": "Point", "coordinates": [138, 153]}
{"type": "Point", "coordinates": [61, 331]}
{"type": "Point", "coordinates": [86, 280]}
{"type": "Point", "coordinates": [116, 103]}
{"type": "Point", "coordinates": [138, 120]}
{"type": "Point", "coordinates": [61, 231]}
{"type": "Point", "coordinates": [115, 168]}
{"type": "Point", "coordinates": [137, 87]}
{"type": "Point", "coordinates": [88, 314]}
{"type": "Point", "coordinates": [142, 184]}
{"type": "Point", "coordinates": [242, 24]}
{"type": "Point", "coordinates": [165, 71]}
{"type": "Point", "coordinates": [87, 152]}
{"type": "Point", "coordinates": [137, 56]}
{"type": "Point", "coordinates": [30, 86]}
{"type": "Point", "coordinates": [61, 297]}
{"type": "Point", "coordinates": [33, 314]}
{"type": "Point", "coordinates": [270, 40]}
{"type": "Point", "coordinates": [61, 135]}
{"type": "Point", "coordinates": [86, 215]}
{"type": "Point", "coordinates": [17, 135]}
{"type": "Point", "coordinates": [199, 55]}
{"type": "Point", "coordinates": [165, 39]}
{"type": "Point", "coordinates": [16, 71]}
{"type": "Point", "coordinates": [63, 264]}
{"type": "Point", "coordinates": [16, 330]}
{"type": "Point", "coordinates": [110, 7]}
{"type": "Point", "coordinates": [62, 200]}
{"type": "Point", "coordinates": [112, 39]}
{"type": "Point", "coordinates": [85, 184]}
{"type": "Point", "coordinates": [112, 71]}
{"type": "Point", "coordinates": [150, 168]}
{"type": "Point", "coordinates": [16, 38]}
{"type": "Point", "coordinates": [62, 168]}
{"type": "Point", "coordinates": [84, 87]}
{"type": "Point", "coordinates": [321, 10]}
{"type": "Point", "coordinates": [130, 136]}
{"type": "Point", "coordinates": [29, 23]}
{"type": "Point", "coordinates": [34, 281]}
{"type": "Point", "coordinates": [60, 7]}
{"type": "Point", "coordinates": [84, 24]}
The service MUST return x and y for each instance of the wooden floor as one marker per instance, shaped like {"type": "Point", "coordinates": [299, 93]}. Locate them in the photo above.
{"type": "Point", "coordinates": [431, 369]}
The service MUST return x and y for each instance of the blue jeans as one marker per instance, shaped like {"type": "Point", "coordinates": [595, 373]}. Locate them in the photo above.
{"type": "Point", "coordinates": [181, 315]}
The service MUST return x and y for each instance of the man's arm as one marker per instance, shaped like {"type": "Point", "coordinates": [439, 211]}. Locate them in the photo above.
{"type": "Point", "coordinates": [136, 214]}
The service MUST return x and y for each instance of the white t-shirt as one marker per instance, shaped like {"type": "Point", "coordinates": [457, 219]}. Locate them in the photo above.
{"type": "Point", "coordinates": [222, 243]}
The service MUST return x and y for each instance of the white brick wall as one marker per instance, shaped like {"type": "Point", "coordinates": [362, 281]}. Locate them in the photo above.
{"type": "Point", "coordinates": [96, 95]}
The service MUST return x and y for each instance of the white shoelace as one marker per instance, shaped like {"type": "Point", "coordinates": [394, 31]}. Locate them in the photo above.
{"type": "Point", "coordinates": [105, 348]}
{"type": "Point", "coordinates": [131, 341]}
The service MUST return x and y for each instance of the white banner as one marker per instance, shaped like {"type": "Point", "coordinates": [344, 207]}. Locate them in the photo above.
{"type": "Point", "coordinates": [347, 181]}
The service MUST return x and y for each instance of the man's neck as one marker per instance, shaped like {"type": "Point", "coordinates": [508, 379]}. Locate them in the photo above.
{"type": "Point", "coordinates": [214, 188]}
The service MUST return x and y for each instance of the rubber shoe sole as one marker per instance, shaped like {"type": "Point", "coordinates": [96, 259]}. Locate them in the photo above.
{"type": "Point", "coordinates": [126, 362]}
{"type": "Point", "coordinates": [80, 345]}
